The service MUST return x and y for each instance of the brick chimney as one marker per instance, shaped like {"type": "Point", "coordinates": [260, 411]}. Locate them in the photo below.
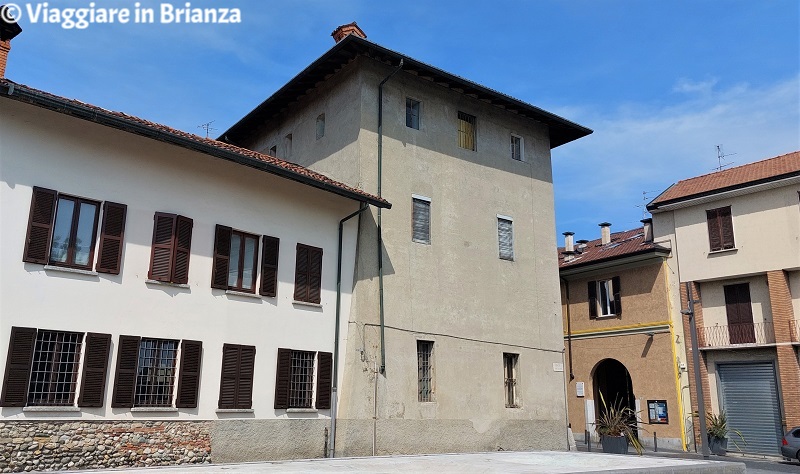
{"type": "Point", "coordinates": [605, 233]}
{"type": "Point", "coordinates": [8, 31]}
{"type": "Point", "coordinates": [647, 226]}
{"type": "Point", "coordinates": [349, 29]}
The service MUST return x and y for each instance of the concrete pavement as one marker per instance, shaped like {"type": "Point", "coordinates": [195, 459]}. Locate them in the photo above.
{"type": "Point", "coordinates": [497, 462]}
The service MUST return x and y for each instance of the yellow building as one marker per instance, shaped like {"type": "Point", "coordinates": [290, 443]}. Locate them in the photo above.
{"type": "Point", "coordinates": [621, 341]}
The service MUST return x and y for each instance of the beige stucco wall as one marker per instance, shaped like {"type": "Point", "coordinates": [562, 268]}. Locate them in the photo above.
{"type": "Point", "coordinates": [715, 313]}
{"type": "Point", "coordinates": [455, 291]}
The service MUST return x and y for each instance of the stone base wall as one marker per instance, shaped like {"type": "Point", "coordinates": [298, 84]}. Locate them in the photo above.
{"type": "Point", "coordinates": [52, 445]}
{"type": "Point", "coordinates": [269, 440]}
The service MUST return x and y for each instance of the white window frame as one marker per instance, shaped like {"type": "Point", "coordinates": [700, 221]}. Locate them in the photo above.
{"type": "Point", "coordinates": [521, 147]}
{"type": "Point", "coordinates": [511, 220]}
{"type": "Point", "coordinates": [605, 308]}
{"type": "Point", "coordinates": [417, 197]}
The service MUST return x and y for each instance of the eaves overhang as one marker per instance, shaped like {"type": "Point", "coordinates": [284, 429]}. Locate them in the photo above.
{"type": "Point", "coordinates": [581, 270]}
{"type": "Point", "coordinates": [11, 90]}
{"type": "Point", "coordinates": [561, 130]}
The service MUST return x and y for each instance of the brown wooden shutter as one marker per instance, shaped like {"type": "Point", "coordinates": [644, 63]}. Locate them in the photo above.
{"type": "Point", "coordinates": [314, 274]}
{"type": "Point", "coordinates": [244, 391]}
{"type": "Point", "coordinates": [726, 227]}
{"type": "Point", "coordinates": [125, 380]}
{"type": "Point", "coordinates": [222, 253]}
{"type": "Point", "coordinates": [282, 378]}
{"type": "Point", "coordinates": [592, 286]}
{"type": "Point", "coordinates": [189, 378]}
{"type": "Point", "coordinates": [714, 231]}
{"type": "Point", "coordinates": [163, 244]}
{"type": "Point", "coordinates": [301, 274]}
{"type": "Point", "coordinates": [183, 246]}
{"type": "Point", "coordinates": [269, 266]}
{"type": "Point", "coordinates": [18, 367]}
{"type": "Point", "coordinates": [111, 238]}
{"type": "Point", "coordinates": [95, 368]}
{"type": "Point", "coordinates": [324, 369]}
{"type": "Point", "coordinates": [40, 222]}
{"type": "Point", "coordinates": [229, 379]}
{"type": "Point", "coordinates": [617, 299]}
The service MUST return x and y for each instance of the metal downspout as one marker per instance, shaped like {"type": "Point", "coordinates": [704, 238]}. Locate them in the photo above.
{"type": "Point", "coordinates": [380, 235]}
{"type": "Point", "coordinates": [335, 381]}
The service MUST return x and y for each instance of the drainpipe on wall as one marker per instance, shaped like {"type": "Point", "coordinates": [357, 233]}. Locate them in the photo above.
{"type": "Point", "coordinates": [380, 235]}
{"type": "Point", "coordinates": [335, 381]}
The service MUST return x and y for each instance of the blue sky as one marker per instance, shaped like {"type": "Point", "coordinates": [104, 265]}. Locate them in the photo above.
{"type": "Point", "coordinates": [661, 83]}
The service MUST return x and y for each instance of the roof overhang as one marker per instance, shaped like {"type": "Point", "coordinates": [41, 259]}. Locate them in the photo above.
{"type": "Point", "coordinates": [561, 130]}
{"type": "Point", "coordinates": [106, 118]}
{"type": "Point", "coordinates": [616, 263]}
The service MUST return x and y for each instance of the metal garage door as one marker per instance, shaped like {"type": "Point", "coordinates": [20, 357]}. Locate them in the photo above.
{"type": "Point", "coordinates": [750, 399]}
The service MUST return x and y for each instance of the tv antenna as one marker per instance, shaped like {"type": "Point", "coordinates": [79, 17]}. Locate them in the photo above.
{"type": "Point", "coordinates": [646, 197]}
{"type": "Point", "coordinates": [207, 127]}
{"type": "Point", "coordinates": [720, 157]}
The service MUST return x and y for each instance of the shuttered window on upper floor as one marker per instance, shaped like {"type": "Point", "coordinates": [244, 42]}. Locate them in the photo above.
{"type": "Point", "coordinates": [172, 239]}
{"type": "Point", "coordinates": [720, 228]}
{"type": "Point", "coordinates": [308, 274]}
{"type": "Point", "coordinates": [466, 131]}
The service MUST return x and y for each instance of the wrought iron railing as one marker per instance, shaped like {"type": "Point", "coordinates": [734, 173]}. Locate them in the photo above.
{"type": "Point", "coordinates": [794, 329]}
{"type": "Point", "coordinates": [735, 334]}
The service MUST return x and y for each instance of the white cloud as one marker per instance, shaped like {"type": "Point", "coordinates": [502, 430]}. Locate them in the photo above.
{"type": "Point", "coordinates": [688, 86]}
{"type": "Point", "coordinates": [638, 148]}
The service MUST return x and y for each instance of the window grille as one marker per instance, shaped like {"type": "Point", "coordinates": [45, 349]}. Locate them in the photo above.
{"type": "Point", "coordinates": [156, 373]}
{"type": "Point", "coordinates": [510, 371]}
{"type": "Point", "coordinates": [421, 221]}
{"type": "Point", "coordinates": [301, 385]}
{"type": "Point", "coordinates": [425, 370]}
{"type": "Point", "coordinates": [466, 131]}
{"type": "Point", "coordinates": [54, 372]}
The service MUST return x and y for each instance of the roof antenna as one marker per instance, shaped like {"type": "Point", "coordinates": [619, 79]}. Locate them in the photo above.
{"type": "Point", "coordinates": [207, 127]}
{"type": "Point", "coordinates": [720, 156]}
{"type": "Point", "coordinates": [645, 200]}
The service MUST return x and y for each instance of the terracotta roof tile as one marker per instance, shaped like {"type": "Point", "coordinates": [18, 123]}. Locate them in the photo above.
{"type": "Point", "coordinates": [622, 244]}
{"type": "Point", "coordinates": [271, 160]}
{"type": "Point", "coordinates": [765, 170]}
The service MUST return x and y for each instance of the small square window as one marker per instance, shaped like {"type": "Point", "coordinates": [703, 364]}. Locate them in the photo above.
{"type": "Point", "coordinates": [517, 148]}
{"type": "Point", "coordinates": [421, 220]}
{"type": "Point", "coordinates": [510, 377]}
{"type": "Point", "coordinates": [320, 126]}
{"type": "Point", "coordinates": [466, 131]}
{"type": "Point", "coordinates": [425, 370]}
{"type": "Point", "coordinates": [412, 113]}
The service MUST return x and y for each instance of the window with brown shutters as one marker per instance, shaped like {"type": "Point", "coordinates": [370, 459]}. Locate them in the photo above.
{"type": "Point", "coordinates": [720, 228]}
{"type": "Point", "coordinates": [294, 379]}
{"type": "Point", "coordinates": [189, 379]}
{"type": "Point", "coordinates": [324, 379]}
{"type": "Point", "coordinates": [308, 274]}
{"type": "Point", "coordinates": [125, 380]}
{"type": "Point", "coordinates": [62, 230]}
{"type": "Point", "coordinates": [466, 131]}
{"type": "Point", "coordinates": [604, 298]}
{"type": "Point", "coordinates": [169, 257]}
{"type": "Point", "coordinates": [43, 366]}
{"type": "Point", "coordinates": [112, 233]}
{"type": "Point", "coordinates": [95, 368]}
{"type": "Point", "coordinates": [235, 260]}
{"type": "Point", "coordinates": [739, 310]}
{"type": "Point", "coordinates": [592, 288]}
{"type": "Point", "coordinates": [269, 266]}
{"type": "Point", "coordinates": [283, 376]}
{"type": "Point", "coordinates": [236, 384]}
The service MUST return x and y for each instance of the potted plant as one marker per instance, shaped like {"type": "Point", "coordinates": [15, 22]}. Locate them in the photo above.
{"type": "Point", "coordinates": [717, 429]}
{"type": "Point", "coordinates": [616, 427]}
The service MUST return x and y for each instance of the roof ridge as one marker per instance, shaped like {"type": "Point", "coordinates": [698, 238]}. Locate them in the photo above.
{"type": "Point", "coordinates": [765, 160]}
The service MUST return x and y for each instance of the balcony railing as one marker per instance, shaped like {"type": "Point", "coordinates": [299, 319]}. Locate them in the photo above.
{"type": "Point", "coordinates": [736, 334]}
{"type": "Point", "coordinates": [794, 330]}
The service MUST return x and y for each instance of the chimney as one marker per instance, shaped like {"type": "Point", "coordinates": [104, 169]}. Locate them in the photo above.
{"type": "Point", "coordinates": [647, 224]}
{"type": "Point", "coordinates": [349, 29]}
{"type": "Point", "coordinates": [8, 30]}
{"type": "Point", "coordinates": [569, 255]}
{"type": "Point", "coordinates": [605, 233]}
{"type": "Point", "coordinates": [568, 245]}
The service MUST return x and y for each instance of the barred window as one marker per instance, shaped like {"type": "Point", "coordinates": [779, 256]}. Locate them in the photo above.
{"type": "Point", "coordinates": [155, 377]}
{"type": "Point", "coordinates": [54, 372]}
{"type": "Point", "coordinates": [301, 386]}
{"type": "Point", "coordinates": [425, 370]}
{"type": "Point", "coordinates": [510, 373]}
{"type": "Point", "coordinates": [466, 131]}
